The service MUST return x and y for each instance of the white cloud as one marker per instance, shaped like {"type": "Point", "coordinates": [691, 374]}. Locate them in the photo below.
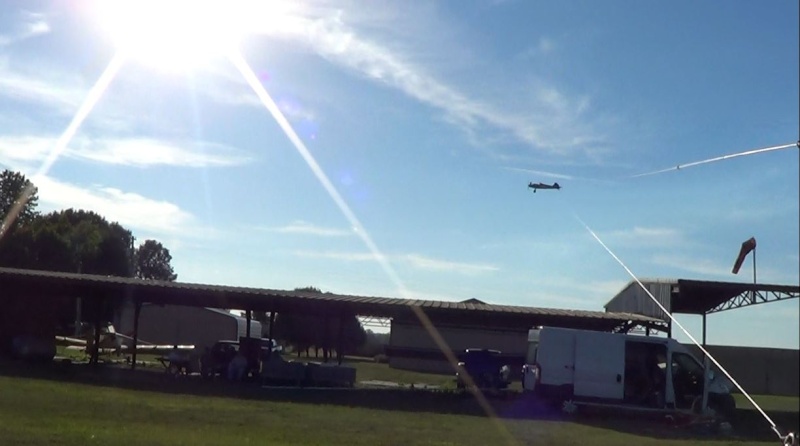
{"type": "Point", "coordinates": [541, 47]}
{"type": "Point", "coordinates": [31, 24]}
{"type": "Point", "coordinates": [295, 111]}
{"type": "Point", "coordinates": [646, 237]}
{"type": "Point", "coordinates": [137, 152]}
{"type": "Point", "coordinates": [63, 95]}
{"type": "Point", "coordinates": [426, 263]}
{"type": "Point", "coordinates": [722, 270]}
{"type": "Point", "coordinates": [305, 228]}
{"type": "Point", "coordinates": [542, 173]}
{"type": "Point", "coordinates": [128, 209]}
{"type": "Point", "coordinates": [143, 152]}
{"type": "Point", "coordinates": [561, 288]}
{"type": "Point", "coordinates": [550, 120]}
{"type": "Point", "coordinates": [414, 260]}
{"type": "Point", "coordinates": [346, 256]}
{"type": "Point", "coordinates": [694, 265]}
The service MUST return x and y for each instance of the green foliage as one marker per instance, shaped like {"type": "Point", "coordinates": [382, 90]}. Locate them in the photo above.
{"type": "Point", "coordinates": [71, 241]}
{"type": "Point", "coordinates": [374, 344]}
{"type": "Point", "coordinates": [15, 189]}
{"type": "Point", "coordinates": [153, 262]}
{"type": "Point", "coordinates": [304, 331]}
{"type": "Point", "coordinates": [74, 241]}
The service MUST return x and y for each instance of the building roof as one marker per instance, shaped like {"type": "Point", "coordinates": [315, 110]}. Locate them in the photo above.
{"type": "Point", "coordinates": [696, 296]}
{"type": "Point", "coordinates": [46, 283]}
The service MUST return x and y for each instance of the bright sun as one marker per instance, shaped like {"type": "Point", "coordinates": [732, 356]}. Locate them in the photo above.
{"type": "Point", "coordinates": [180, 34]}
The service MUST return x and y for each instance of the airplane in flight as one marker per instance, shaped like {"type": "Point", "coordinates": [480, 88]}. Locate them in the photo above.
{"type": "Point", "coordinates": [537, 186]}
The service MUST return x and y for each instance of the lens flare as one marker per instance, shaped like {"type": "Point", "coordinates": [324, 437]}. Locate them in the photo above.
{"type": "Point", "coordinates": [86, 107]}
{"type": "Point", "coordinates": [685, 331]}
{"type": "Point", "coordinates": [178, 35]}
{"type": "Point", "coordinates": [252, 80]}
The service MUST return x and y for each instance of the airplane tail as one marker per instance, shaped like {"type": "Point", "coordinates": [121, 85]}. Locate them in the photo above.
{"type": "Point", "coordinates": [556, 186]}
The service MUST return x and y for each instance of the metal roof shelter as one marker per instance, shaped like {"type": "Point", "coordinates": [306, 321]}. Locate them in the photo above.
{"type": "Point", "coordinates": [17, 282]}
{"type": "Point", "coordinates": [699, 297]}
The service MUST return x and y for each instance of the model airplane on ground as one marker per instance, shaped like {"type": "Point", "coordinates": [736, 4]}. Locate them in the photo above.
{"type": "Point", "coordinates": [537, 186]}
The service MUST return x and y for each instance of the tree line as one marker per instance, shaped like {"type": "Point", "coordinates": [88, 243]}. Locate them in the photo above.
{"type": "Point", "coordinates": [71, 240]}
{"type": "Point", "coordinates": [84, 242]}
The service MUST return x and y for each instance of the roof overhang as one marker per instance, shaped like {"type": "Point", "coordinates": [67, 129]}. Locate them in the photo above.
{"type": "Point", "coordinates": [699, 297]}
{"type": "Point", "coordinates": [44, 283]}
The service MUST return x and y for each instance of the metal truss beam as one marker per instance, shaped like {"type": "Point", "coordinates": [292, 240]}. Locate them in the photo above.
{"type": "Point", "coordinates": [636, 327]}
{"type": "Point", "coordinates": [375, 322]}
{"type": "Point", "coordinates": [753, 297]}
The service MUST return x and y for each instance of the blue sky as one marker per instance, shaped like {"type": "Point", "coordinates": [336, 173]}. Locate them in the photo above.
{"type": "Point", "coordinates": [429, 119]}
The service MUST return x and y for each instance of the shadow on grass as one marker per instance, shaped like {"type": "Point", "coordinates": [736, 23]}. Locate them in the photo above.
{"type": "Point", "coordinates": [748, 425]}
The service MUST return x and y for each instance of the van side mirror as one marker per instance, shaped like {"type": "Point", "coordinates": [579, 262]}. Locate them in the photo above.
{"type": "Point", "coordinates": [711, 375]}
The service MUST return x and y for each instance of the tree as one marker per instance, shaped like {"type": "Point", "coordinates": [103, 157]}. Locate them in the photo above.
{"type": "Point", "coordinates": [72, 241]}
{"type": "Point", "coordinates": [17, 196]}
{"type": "Point", "coordinates": [374, 344]}
{"type": "Point", "coordinates": [292, 328]}
{"type": "Point", "coordinates": [80, 242]}
{"type": "Point", "coordinates": [153, 262]}
{"type": "Point", "coordinates": [304, 331]}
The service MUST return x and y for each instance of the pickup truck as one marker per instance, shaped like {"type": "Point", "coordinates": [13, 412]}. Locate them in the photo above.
{"type": "Point", "coordinates": [486, 368]}
{"type": "Point", "coordinates": [217, 359]}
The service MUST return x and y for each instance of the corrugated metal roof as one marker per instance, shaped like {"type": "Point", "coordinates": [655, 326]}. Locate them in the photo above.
{"type": "Point", "coordinates": [218, 296]}
{"type": "Point", "coordinates": [686, 296]}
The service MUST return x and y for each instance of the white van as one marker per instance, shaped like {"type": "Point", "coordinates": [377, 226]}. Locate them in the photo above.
{"type": "Point", "coordinates": [580, 367]}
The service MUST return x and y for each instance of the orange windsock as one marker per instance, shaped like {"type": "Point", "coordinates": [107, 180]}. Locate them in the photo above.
{"type": "Point", "coordinates": [747, 246]}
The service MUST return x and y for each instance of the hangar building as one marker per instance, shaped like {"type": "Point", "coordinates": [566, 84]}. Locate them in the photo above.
{"type": "Point", "coordinates": [182, 325]}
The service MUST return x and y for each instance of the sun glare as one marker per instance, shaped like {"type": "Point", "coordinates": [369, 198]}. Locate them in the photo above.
{"type": "Point", "coordinates": [177, 34]}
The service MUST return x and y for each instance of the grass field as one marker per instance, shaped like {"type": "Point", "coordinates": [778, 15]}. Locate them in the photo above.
{"type": "Point", "coordinates": [49, 412]}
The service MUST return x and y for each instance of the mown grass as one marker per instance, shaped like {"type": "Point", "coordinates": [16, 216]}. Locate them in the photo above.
{"type": "Point", "coordinates": [367, 370]}
{"type": "Point", "coordinates": [769, 403]}
{"type": "Point", "coordinates": [46, 412]}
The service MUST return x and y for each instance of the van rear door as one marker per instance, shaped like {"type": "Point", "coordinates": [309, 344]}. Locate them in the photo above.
{"type": "Point", "coordinates": [599, 365]}
{"type": "Point", "coordinates": [556, 356]}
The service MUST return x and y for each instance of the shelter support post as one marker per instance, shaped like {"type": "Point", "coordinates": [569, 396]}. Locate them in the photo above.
{"type": "Point", "coordinates": [137, 309]}
{"type": "Point", "coordinates": [647, 330]}
{"type": "Point", "coordinates": [753, 293]}
{"type": "Point", "coordinates": [271, 326]}
{"type": "Point", "coordinates": [704, 333]}
{"type": "Point", "coordinates": [340, 340]}
{"type": "Point", "coordinates": [327, 339]}
{"type": "Point", "coordinates": [704, 330]}
{"type": "Point", "coordinates": [248, 317]}
{"type": "Point", "coordinates": [96, 348]}
{"type": "Point", "coordinates": [77, 332]}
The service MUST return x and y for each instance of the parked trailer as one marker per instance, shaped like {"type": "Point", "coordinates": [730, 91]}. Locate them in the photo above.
{"type": "Point", "coordinates": [579, 367]}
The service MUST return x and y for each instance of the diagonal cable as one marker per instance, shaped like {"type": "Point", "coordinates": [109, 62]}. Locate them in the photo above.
{"type": "Point", "coordinates": [672, 318]}
{"type": "Point", "coordinates": [86, 107]}
{"type": "Point", "coordinates": [720, 158]}
{"type": "Point", "coordinates": [250, 77]}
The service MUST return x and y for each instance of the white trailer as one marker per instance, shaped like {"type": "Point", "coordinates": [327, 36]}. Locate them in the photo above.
{"type": "Point", "coordinates": [580, 367]}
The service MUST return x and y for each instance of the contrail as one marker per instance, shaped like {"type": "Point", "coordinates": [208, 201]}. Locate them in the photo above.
{"type": "Point", "coordinates": [720, 158]}
{"type": "Point", "coordinates": [252, 80]}
{"type": "Point", "coordinates": [86, 107]}
{"type": "Point", "coordinates": [738, 386]}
